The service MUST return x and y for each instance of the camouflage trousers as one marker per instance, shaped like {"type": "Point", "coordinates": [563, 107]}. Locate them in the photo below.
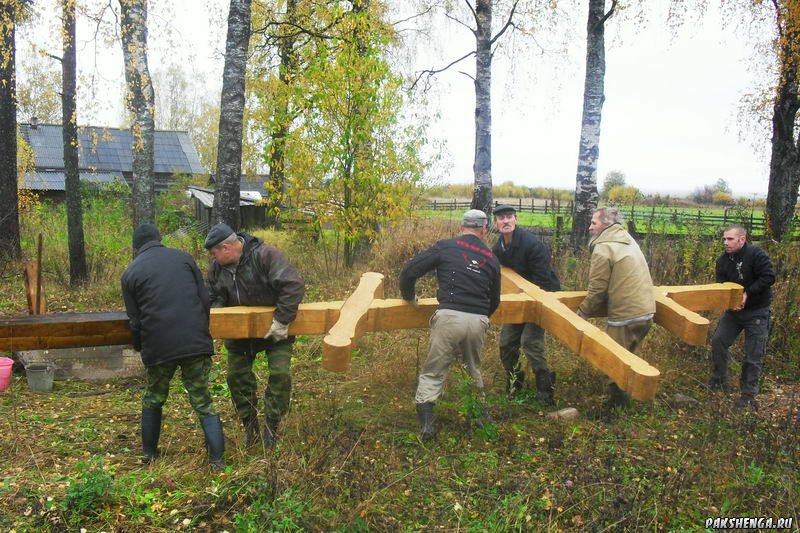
{"type": "Point", "coordinates": [194, 374]}
{"type": "Point", "coordinates": [243, 384]}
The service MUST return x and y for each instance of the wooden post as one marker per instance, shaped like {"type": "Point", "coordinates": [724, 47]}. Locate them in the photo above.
{"type": "Point", "coordinates": [34, 287]}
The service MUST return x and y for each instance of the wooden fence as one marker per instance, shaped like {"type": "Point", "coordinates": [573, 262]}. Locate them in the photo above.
{"type": "Point", "coordinates": [641, 217]}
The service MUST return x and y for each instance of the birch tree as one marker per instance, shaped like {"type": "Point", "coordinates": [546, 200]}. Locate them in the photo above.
{"type": "Point", "coordinates": [72, 183]}
{"type": "Point", "coordinates": [480, 14]}
{"type": "Point", "coordinates": [140, 101]}
{"type": "Point", "coordinates": [10, 13]}
{"type": "Point", "coordinates": [232, 100]}
{"type": "Point", "coordinates": [593, 98]}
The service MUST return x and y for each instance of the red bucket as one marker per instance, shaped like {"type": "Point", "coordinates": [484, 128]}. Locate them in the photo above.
{"type": "Point", "coordinates": [6, 365]}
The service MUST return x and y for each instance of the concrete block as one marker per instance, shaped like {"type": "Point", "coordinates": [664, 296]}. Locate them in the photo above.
{"type": "Point", "coordinates": [97, 363]}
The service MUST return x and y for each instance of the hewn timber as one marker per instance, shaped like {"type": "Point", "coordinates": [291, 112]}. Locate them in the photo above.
{"type": "Point", "coordinates": [338, 344]}
{"type": "Point", "coordinates": [522, 302]}
{"type": "Point", "coordinates": [630, 372]}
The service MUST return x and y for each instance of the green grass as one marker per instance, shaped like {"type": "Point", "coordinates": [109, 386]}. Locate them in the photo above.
{"type": "Point", "coordinates": [350, 459]}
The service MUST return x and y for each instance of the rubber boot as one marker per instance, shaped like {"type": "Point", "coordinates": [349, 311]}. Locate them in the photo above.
{"type": "Point", "coordinates": [151, 431]}
{"type": "Point", "coordinates": [545, 382]}
{"type": "Point", "coordinates": [618, 398]}
{"type": "Point", "coordinates": [215, 441]}
{"type": "Point", "coordinates": [270, 437]}
{"type": "Point", "coordinates": [252, 431]}
{"type": "Point", "coordinates": [425, 417]}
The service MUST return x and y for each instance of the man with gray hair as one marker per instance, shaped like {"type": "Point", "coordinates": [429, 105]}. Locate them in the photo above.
{"type": "Point", "coordinates": [469, 292]}
{"type": "Point", "coordinates": [246, 271]}
{"type": "Point", "coordinates": [619, 281]}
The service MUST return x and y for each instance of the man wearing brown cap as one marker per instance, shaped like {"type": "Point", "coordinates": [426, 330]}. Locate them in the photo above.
{"type": "Point", "coordinates": [246, 271]}
{"type": "Point", "coordinates": [526, 255]}
{"type": "Point", "coordinates": [469, 292]}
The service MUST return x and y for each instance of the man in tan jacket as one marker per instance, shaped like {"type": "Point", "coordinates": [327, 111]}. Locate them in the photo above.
{"type": "Point", "coordinates": [619, 281]}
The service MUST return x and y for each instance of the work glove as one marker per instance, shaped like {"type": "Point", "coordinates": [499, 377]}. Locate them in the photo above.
{"type": "Point", "coordinates": [277, 332]}
{"type": "Point", "coordinates": [414, 303]}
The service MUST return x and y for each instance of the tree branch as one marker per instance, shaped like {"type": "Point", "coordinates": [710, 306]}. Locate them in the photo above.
{"type": "Point", "coordinates": [610, 12]}
{"type": "Point", "coordinates": [431, 72]}
{"type": "Point", "coordinates": [509, 23]}
{"type": "Point", "coordinates": [457, 21]}
{"type": "Point", "coordinates": [412, 17]}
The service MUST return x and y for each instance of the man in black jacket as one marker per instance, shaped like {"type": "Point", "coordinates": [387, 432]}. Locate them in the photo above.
{"type": "Point", "coordinates": [469, 292]}
{"type": "Point", "coordinates": [168, 311]}
{"type": "Point", "coordinates": [526, 255]}
{"type": "Point", "coordinates": [246, 271]}
{"type": "Point", "coordinates": [750, 267]}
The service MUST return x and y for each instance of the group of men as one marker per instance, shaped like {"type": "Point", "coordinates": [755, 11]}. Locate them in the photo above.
{"type": "Point", "coordinates": [168, 307]}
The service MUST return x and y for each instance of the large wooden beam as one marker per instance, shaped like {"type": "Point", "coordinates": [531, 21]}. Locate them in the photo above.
{"type": "Point", "coordinates": [521, 302]}
{"type": "Point", "coordinates": [632, 373]}
{"type": "Point", "coordinates": [338, 344]}
{"type": "Point", "coordinates": [676, 306]}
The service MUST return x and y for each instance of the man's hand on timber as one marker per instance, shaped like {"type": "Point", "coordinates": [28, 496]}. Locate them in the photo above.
{"type": "Point", "coordinates": [744, 301]}
{"type": "Point", "coordinates": [277, 332]}
{"type": "Point", "coordinates": [414, 303]}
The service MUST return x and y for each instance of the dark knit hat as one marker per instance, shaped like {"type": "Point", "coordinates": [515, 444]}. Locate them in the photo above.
{"type": "Point", "coordinates": [144, 233]}
{"type": "Point", "coordinates": [504, 209]}
{"type": "Point", "coordinates": [218, 233]}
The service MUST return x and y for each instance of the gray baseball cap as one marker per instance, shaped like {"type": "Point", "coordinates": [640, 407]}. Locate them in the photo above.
{"type": "Point", "coordinates": [474, 218]}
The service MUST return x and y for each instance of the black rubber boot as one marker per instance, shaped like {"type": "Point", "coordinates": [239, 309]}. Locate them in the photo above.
{"type": "Point", "coordinates": [617, 398]}
{"type": "Point", "coordinates": [252, 431]}
{"type": "Point", "coordinates": [151, 431]}
{"type": "Point", "coordinates": [270, 437]}
{"type": "Point", "coordinates": [425, 417]}
{"type": "Point", "coordinates": [545, 383]}
{"type": "Point", "coordinates": [215, 441]}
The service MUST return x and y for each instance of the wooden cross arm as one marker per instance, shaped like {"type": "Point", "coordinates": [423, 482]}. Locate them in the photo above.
{"type": "Point", "coordinates": [632, 373]}
{"type": "Point", "coordinates": [676, 306]}
{"type": "Point", "coordinates": [338, 344]}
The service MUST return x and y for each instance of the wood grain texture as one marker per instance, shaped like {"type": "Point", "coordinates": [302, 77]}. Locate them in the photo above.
{"type": "Point", "coordinates": [338, 344]}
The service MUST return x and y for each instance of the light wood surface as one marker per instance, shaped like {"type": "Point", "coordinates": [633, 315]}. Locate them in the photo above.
{"type": "Point", "coordinates": [344, 323]}
{"type": "Point", "coordinates": [338, 344]}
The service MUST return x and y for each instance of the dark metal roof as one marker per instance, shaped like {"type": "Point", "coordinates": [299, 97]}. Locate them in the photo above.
{"type": "Point", "coordinates": [109, 149]}
{"type": "Point", "coordinates": [54, 181]}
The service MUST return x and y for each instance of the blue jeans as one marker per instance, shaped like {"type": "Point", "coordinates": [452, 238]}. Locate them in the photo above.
{"type": "Point", "coordinates": [755, 323]}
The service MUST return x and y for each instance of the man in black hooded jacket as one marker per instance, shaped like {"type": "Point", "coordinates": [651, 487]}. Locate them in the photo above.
{"type": "Point", "coordinates": [749, 266]}
{"type": "Point", "coordinates": [168, 311]}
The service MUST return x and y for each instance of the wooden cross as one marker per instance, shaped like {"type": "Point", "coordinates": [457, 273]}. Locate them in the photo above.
{"type": "Point", "coordinates": [344, 323]}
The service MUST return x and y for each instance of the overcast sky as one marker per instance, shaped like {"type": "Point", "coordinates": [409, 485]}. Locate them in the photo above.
{"type": "Point", "coordinates": [670, 120]}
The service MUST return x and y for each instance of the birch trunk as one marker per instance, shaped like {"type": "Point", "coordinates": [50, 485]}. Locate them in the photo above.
{"type": "Point", "coordinates": [229, 148]}
{"type": "Point", "coordinates": [72, 182]}
{"type": "Point", "coordinates": [589, 147]}
{"type": "Point", "coordinates": [482, 165]}
{"type": "Point", "coordinates": [9, 201]}
{"type": "Point", "coordinates": [140, 102]}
